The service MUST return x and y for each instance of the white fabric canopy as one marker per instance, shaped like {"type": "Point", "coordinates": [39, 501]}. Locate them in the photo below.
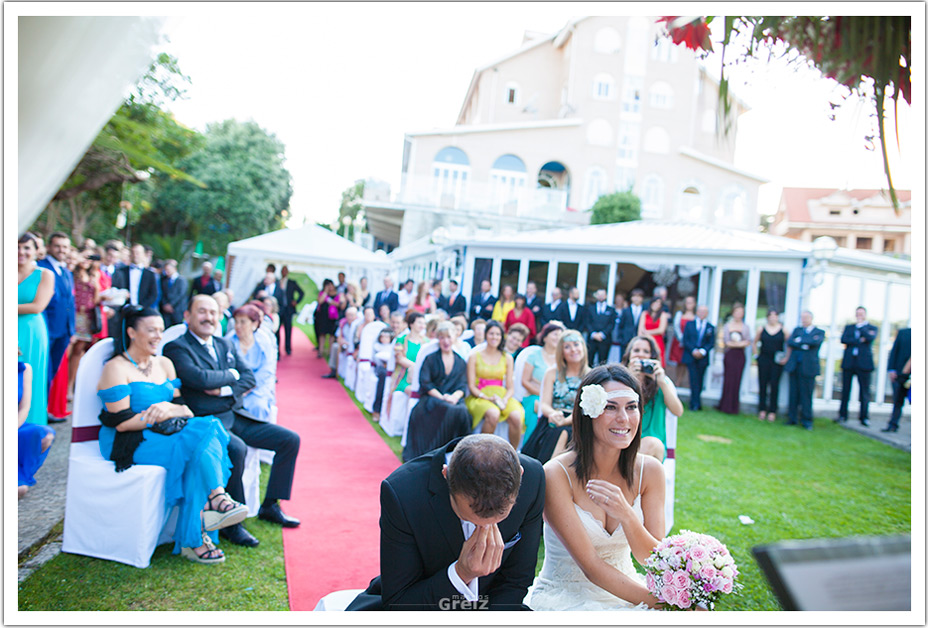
{"type": "Point", "coordinates": [311, 249]}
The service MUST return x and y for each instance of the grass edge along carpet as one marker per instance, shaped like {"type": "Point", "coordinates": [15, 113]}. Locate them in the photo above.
{"type": "Point", "coordinates": [336, 485]}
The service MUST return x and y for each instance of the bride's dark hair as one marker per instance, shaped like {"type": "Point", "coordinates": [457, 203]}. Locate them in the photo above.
{"type": "Point", "coordinates": [582, 441]}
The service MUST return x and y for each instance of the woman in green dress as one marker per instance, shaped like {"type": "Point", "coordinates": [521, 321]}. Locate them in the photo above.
{"type": "Point", "coordinates": [36, 287]}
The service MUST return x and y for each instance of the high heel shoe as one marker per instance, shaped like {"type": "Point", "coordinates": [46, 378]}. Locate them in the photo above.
{"type": "Point", "coordinates": [226, 512]}
{"type": "Point", "coordinates": [212, 556]}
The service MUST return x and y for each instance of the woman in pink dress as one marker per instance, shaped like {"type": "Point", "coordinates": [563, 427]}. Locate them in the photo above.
{"type": "Point", "coordinates": [424, 303]}
{"type": "Point", "coordinates": [654, 324]}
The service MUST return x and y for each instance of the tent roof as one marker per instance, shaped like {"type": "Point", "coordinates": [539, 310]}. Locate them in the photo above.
{"type": "Point", "coordinates": [309, 243]}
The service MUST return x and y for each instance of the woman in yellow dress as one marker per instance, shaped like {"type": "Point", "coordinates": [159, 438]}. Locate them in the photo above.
{"type": "Point", "coordinates": [507, 301]}
{"type": "Point", "coordinates": [490, 382]}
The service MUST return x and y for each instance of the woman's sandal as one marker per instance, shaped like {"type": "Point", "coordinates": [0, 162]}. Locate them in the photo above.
{"type": "Point", "coordinates": [223, 512]}
{"type": "Point", "coordinates": [762, 415]}
{"type": "Point", "coordinates": [212, 556]}
{"type": "Point", "coordinates": [772, 417]}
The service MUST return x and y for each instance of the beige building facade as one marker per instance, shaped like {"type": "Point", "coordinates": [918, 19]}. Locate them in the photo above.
{"type": "Point", "coordinates": [864, 220]}
{"type": "Point", "coordinates": [605, 104]}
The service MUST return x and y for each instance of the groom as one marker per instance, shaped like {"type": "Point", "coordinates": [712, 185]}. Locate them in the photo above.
{"type": "Point", "coordinates": [459, 529]}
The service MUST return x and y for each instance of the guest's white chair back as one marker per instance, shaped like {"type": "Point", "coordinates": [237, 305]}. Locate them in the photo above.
{"type": "Point", "coordinates": [366, 384]}
{"type": "Point", "coordinates": [670, 468]}
{"type": "Point", "coordinates": [172, 333]}
{"type": "Point", "coordinates": [468, 334]}
{"type": "Point", "coordinates": [429, 347]}
{"type": "Point", "coordinates": [109, 515]}
{"type": "Point", "coordinates": [518, 370]}
{"type": "Point", "coordinates": [390, 365]}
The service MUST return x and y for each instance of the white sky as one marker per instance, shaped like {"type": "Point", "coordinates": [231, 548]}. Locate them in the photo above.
{"type": "Point", "coordinates": [341, 83]}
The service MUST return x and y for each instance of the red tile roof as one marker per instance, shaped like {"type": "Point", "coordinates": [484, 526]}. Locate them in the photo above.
{"type": "Point", "coordinates": [797, 199]}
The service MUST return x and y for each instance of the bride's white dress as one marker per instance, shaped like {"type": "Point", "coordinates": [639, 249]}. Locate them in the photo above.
{"type": "Point", "coordinates": [561, 585]}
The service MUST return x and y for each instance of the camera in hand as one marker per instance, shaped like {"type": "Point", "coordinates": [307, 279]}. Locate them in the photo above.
{"type": "Point", "coordinates": [647, 366]}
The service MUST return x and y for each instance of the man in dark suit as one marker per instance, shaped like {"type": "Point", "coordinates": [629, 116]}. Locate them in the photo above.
{"type": "Point", "coordinates": [59, 314]}
{"type": "Point", "coordinates": [698, 340]}
{"type": "Point", "coordinates": [628, 326]}
{"type": "Point", "coordinates": [459, 529]}
{"type": "Point", "coordinates": [803, 367]}
{"type": "Point", "coordinates": [482, 307]}
{"type": "Point", "coordinates": [899, 371]}
{"type": "Point", "coordinates": [573, 313]}
{"type": "Point", "coordinates": [292, 294]}
{"type": "Point", "coordinates": [214, 378]}
{"type": "Point", "coordinates": [205, 284]}
{"type": "Point", "coordinates": [454, 303]}
{"type": "Point", "coordinates": [173, 294]}
{"type": "Point", "coordinates": [601, 321]}
{"type": "Point", "coordinates": [552, 310]}
{"type": "Point", "coordinates": [387, 296]}
{"type": "Point", "coordinates": [535, 303]}
{"type": "Point", "coordinates": [138, 279]}
{"type": "Point", "coordinates": [858, 360]}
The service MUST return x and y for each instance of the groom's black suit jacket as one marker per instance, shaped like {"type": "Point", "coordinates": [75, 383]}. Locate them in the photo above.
{"type": "Point", "coordinates": [420, 536]}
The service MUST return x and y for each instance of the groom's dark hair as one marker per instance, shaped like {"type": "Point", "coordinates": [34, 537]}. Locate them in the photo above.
{"type": "Point", "coordinates": [583, 438]}
{"type": "Point", "coordinates": [485, 468]}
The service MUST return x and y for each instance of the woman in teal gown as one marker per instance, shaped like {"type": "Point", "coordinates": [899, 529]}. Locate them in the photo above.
{"type": "Point", "coordinates": [36, 288]}
{"type": "Point", "coordinates": [137, 387]}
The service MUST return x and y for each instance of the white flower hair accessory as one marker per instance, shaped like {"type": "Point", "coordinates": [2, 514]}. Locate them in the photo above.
{"type": "Point", "coordinates": [593, 400]}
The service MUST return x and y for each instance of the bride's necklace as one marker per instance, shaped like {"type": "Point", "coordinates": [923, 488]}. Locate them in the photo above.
{"type": "Point", "coordinates": [144, 371]}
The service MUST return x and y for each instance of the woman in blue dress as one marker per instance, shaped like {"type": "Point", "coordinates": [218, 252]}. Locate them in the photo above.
{"type": "Point", "coordinates": [137, 387]}
{"type": "Point", "coordinates": [34, 440]}
{"type": "Point", "coordinates": [260, 354]}
{"type": "Point", "coordinates": [35, 290]}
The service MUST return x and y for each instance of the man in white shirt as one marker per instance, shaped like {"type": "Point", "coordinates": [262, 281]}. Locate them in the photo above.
{"type": "Point", "coordinates": [407, 296]}
{"type": "Point", "coordinates": [460, 528]}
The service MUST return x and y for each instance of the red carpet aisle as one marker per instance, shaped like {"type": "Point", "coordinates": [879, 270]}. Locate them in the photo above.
{"type": "Point", "coordinates": [336, 491]}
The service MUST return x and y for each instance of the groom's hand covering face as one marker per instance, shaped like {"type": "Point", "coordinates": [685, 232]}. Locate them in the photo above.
{"type": "Point", "coordinates": [481, 554]}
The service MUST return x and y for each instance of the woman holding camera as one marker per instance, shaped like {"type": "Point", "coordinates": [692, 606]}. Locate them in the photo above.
{"type": "Point", "coordinates": [737, 337]}
{"type": "Point", "coordinates": [658, 394]}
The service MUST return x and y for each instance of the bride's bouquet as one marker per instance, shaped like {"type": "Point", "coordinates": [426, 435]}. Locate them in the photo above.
{"type": "Point", "coordinates": [687, 569]}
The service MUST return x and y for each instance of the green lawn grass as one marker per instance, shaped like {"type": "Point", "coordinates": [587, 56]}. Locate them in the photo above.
{"type": "Point", "coordinates": [251, 579]}
{"type": "Point", "coordinates": [310, 294]}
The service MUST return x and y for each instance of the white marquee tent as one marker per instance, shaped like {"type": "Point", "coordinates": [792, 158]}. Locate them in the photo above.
{"type": "Point", "coordinates": [310, 249]}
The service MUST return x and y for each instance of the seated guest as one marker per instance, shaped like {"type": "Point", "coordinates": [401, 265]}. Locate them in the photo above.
{"type": "Point", "coordinates": [516, 338]}
{"type": "Point", "coordinates": [460, 346]}
{"type": "Point", "coordinates": [478, 484]}
{"type": "Point", "coordinates": [558, 390]}
{"type": "Point", "coordinates": [490, 382]}
{"type": "Point", "coordinates": [384, 313]}
{"type": "Point", "coordinates": [272, 307]}
{"type": "Point", "coordinates": [342, 341]}
{"type": "Point", "coordinates": [207, 365]}
{"type": "Point", "coordinates": [225, 314]}
{"type": "Point", "coordinates": [382, 357]}
{"type": "Point", "coordinates": [260, 356]}
{"type": "Point", "coordinates": [34, 440]}
{"type": "Point", "coordinates": [533, 375]}
{"type": "Point", "coordinates": [440, 416]}
{"type": "Point", "coordinates": [479, 327]}
{"type": "Point", "coordinates": [658, 394]}
{"type": "Point", "coordinates": [405, 350]}
{"type": "Point", "coordinates": [431, 326]}
{"type": "Point", "coordinates": [137, 388]}
{"type": "Point", "coordinates": [520, 313]}
{"type": "Point", "coordinates": [267, 323]}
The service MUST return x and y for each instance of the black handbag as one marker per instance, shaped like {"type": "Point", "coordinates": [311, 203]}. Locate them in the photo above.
{"type": "Point", "coordinates": [96, 321]}
{"type": "Point", "coordinates": [169, 426]}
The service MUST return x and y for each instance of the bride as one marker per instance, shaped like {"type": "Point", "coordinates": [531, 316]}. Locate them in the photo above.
{"type": "Point", "coordinates": [604, 502]}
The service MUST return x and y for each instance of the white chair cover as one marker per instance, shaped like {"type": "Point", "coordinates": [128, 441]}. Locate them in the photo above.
{"type": "Point", "coordinates": [337, 600]}
{"type": "Point", "coordinates": [468, 333]}
{"type": "Point", "coordinates": [670, 468]}
{"type": "Point", "coordinates": [518, 370]}
{"type": "Point", "coordinates": [351, 372]}
{"type": "Point", "coordinates": [305, 316]}
{"type": "Point", "coordinates": [109, 515]}
{"type": "Point", "coordinates": [412, 390]}
{"type": "Point", "coordinates": [390, 363]}
{"type": "Point", "coordinates": [172, 333]}
{"type": "Point", "coordinates": [366, 384]}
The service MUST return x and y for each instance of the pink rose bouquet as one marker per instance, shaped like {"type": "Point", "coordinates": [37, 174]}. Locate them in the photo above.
{"type": "Point", "coordinates": [687, 569]}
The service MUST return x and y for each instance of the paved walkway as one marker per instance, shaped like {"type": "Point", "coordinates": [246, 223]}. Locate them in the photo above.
{"type": "Point", "coordinates": [43, 506]}
{"type": "Point", "coordinates": [900, 440]}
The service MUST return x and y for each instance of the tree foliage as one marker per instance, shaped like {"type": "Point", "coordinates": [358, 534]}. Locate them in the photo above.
{"type": "Point", "coordinates": [247, 188]}
{"type": "Point", "coordinates": [616, 207]}
{"type": "Point", "coordinates": [853, 50]}
{"type": "Point", "coordinates": [350, 207]}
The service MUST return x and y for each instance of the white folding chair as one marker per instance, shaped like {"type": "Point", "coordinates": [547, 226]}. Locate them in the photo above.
{"type": "Point", "coordinates": [109, 515]}
{"type": "Point", "coordinates": [172, 333]}
{"type": "Point", "coordinates": [390, 365]}
{"type": "Point", "coordinates": [413, 389]}
{"type": "Point", "coordinates": [337, 600]}
{"type": "Point", "coordinates": [670, 468]}
{"type": "Point", "coordinates": [518, 370]}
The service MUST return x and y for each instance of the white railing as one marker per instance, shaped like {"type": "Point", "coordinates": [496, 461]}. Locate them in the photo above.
{"type": "Point", "coordinates": [483, 196]}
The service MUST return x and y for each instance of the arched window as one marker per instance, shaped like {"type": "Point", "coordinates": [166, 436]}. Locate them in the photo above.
{"type": "Point", "coordinates": [690, 203]}
{"type": "Point", "coordinates": [732, 206]}
{"type": "Point", "coordinates": [660, 96]}
{"type": "Point", "coordinates": [594, 186]}
{"type": "Point", "coordinates": [629, 133]}
{"type": "Point", "coordinates": [604, 87]}
{"type": "Point", "coordinates": [607, 41]}
{"type": "Point", "coordinates": [656, 140]}
{"type": "Point", "coordinates": [631, 94]}
{"type": "Point", "coordinates": [507, 178]}
{"type": "Point", "coordinates": [599, 133]}
{"type": "Point", "coordinates": [450, 171]}
{"type": "Point", "coordinates": [512, 93]}
{"type": "Point", "coordinates": [652, 197]}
